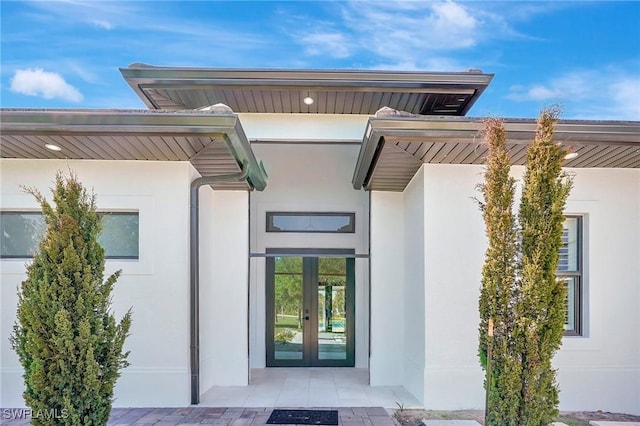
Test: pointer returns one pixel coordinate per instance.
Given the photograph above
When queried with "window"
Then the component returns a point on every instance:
(21, 233)
(311, 222)
(570, 271)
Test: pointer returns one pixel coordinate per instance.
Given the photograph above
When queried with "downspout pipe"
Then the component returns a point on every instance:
(194, 235)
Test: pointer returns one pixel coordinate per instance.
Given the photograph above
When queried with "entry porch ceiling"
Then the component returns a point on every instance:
(393, 149)
(213, 142)
(283, 91)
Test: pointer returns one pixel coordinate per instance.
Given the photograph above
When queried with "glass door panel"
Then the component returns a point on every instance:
(332, 308)
(298, 287)
(288, 306)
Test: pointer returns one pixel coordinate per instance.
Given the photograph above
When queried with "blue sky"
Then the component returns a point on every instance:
(583, 55)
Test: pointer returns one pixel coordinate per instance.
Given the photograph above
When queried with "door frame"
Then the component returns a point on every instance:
(310, 347)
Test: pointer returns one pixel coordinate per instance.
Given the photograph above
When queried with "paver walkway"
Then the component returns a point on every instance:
(357, 416)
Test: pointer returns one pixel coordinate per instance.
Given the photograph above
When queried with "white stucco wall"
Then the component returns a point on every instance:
(304, 127)
(414, 285)
(600, 370)
(224, 245)
(156, 286)
(387, 289)
(454, 253)
(433, 235)
(307, 178)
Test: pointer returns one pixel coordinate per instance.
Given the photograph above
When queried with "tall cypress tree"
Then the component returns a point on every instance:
(520, 291)
(499, 279)
(541, 306)
(66, 337)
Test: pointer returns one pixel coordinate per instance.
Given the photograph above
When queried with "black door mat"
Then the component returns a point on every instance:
(303, 417)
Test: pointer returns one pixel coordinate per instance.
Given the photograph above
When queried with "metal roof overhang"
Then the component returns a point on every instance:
(214, 143)
(283, 91)
(393, 149)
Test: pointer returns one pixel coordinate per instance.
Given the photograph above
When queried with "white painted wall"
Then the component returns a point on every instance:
(156, 285)
(387, 289)
(304, 127)
(600, 370)
(454, 253)
(307, 177)
(224, 245)
(414, 285)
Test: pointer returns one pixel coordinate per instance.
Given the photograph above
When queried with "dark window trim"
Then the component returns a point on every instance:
(269, 227)
(579, 276)
(100, 212)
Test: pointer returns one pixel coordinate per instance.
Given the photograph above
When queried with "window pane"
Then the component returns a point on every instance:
(288, 304)
(568, 260)
(572, 290)
(119, 236)
(21, 233)
(332, 308)
(310, 222)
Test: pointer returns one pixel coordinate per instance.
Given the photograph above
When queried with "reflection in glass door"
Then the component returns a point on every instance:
(310, 310)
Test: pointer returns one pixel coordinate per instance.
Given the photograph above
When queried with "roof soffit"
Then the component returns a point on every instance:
(458, 140)
(283, 91)
(133, 135)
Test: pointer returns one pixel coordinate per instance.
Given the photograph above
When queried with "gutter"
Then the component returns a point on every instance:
(254, 174)
(194, 254)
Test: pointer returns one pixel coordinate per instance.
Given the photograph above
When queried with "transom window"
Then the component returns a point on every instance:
(21, 233)
(311, 222)
(570, 271)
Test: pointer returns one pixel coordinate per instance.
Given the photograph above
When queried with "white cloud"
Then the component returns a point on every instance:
(48, 85)
(333, 44)
(535, 93)
(626, 96)
(607, 93)
(102, 24)
(423, 35)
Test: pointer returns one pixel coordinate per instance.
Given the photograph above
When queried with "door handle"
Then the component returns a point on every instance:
(306, 318)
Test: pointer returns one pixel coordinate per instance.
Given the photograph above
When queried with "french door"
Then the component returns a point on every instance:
(310, 311)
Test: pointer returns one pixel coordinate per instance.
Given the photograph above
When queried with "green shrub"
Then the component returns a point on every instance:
(65, 336)
(284, 336)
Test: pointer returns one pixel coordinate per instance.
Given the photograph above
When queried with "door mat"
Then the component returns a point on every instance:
(303, 417)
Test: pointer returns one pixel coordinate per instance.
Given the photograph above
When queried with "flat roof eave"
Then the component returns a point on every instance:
(433, 139)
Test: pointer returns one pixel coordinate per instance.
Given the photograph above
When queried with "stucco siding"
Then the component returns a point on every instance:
(414, 285)
(155, 285)
(224, 247)
(386, 365)
(598, 370)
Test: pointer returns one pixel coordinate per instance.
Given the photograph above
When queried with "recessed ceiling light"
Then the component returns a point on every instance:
(52, 147)
(571, 156)
(308, 100)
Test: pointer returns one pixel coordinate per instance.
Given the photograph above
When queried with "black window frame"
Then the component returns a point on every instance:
(269, 227)
(103, 212)
(578, 277)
